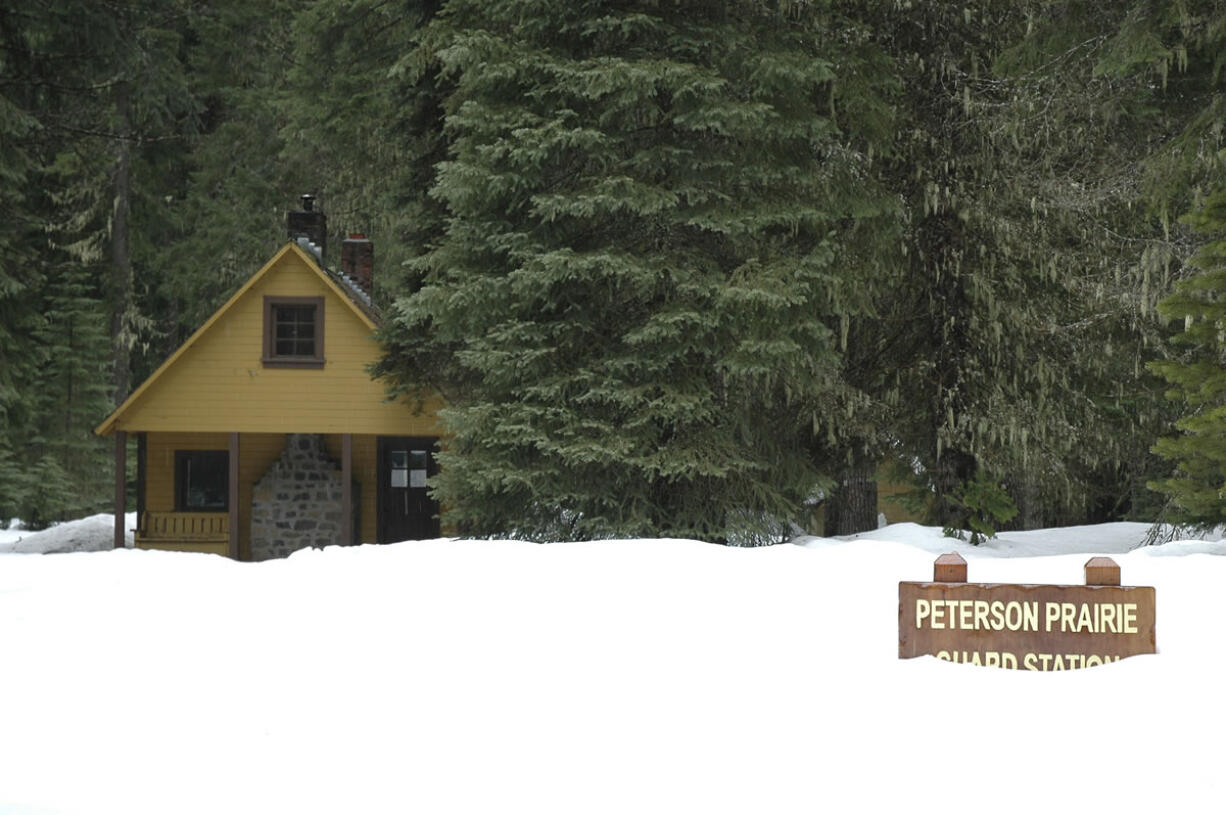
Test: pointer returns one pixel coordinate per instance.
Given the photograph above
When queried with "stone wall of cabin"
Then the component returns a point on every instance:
(299, 501)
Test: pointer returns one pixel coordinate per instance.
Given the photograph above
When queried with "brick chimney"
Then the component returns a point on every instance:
(358, 260)
(310, 223)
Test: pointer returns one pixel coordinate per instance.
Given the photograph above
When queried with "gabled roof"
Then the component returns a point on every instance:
(346, 291)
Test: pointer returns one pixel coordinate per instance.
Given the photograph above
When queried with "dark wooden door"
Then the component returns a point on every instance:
(406, 511)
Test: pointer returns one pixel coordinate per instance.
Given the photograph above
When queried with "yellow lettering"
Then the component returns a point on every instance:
(1108, 619)
(1051, 613)
(1093, 660)
(1013, 615)
(966, 613)
(1030, 663)
(1085, 622)
(1130, 618)
(922, 609)
(1067, 610)
(998, 615)
(943, 655)
(981, 614)
(1008, 660)
(1030, 620)
(936, 619)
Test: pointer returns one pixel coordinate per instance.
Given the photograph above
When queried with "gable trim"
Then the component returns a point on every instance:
(108, 424)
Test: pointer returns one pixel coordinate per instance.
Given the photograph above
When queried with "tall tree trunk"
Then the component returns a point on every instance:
(954, 468)
(121, 250)
(853, 506)
(1028, 503)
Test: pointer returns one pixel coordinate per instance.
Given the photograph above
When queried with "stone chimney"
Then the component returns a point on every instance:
(358, 260)
(311, 224)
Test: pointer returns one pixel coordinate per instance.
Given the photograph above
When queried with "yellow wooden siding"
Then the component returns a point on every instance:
(220, 384)
(160, 463)
(256, 453)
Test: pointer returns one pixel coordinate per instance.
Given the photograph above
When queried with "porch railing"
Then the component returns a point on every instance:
(184, 526)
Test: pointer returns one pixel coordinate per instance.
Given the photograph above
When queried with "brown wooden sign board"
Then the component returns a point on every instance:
(1026, 627)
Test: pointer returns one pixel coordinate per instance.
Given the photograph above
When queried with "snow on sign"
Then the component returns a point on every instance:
(1026, 627)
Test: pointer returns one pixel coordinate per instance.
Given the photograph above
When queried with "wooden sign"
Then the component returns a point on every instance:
(1026, 627)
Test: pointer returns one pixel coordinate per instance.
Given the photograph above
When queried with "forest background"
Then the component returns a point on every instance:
(680, 268)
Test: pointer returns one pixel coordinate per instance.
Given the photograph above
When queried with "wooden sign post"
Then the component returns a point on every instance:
(1026, 627)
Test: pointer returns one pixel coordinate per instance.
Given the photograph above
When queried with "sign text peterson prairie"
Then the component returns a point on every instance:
(1028, 627)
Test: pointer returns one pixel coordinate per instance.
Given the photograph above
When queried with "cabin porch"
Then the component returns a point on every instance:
(207, 532)
(255, 496)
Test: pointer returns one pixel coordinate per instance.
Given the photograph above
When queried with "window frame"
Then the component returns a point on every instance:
(182, 457)
(271, 358)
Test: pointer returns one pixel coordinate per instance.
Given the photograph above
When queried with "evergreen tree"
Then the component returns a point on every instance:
(1015, 329)
(1198, 380)
(298, 98)
(19, 316)
(678, 267)
(222, 214)
(363, 118)
(114, 86)
(631, 311)
(71, 468)
(82, 88)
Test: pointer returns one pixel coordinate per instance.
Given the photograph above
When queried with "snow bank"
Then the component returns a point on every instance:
(93, 534)
(616, 677)
(1101, 539)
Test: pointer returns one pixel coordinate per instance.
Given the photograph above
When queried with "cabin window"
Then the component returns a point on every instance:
(293, 332)
(408, 468)
(202, 480)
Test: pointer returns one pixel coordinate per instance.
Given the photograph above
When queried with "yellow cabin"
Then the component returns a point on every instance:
(264, 433)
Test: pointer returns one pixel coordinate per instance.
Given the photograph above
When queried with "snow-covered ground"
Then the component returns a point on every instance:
(93, 534)
(651, 676)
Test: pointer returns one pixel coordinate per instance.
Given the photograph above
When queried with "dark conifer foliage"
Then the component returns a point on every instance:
(106, 117)
(679, 267)
(631, 310)
(1030, 243)
(1198, 380)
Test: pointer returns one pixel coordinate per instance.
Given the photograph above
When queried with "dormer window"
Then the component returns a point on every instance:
(293, 332)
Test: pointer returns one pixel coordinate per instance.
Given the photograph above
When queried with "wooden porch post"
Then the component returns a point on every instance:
(232, 547)
(121, 486)
(142, 473)
(346, 489)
